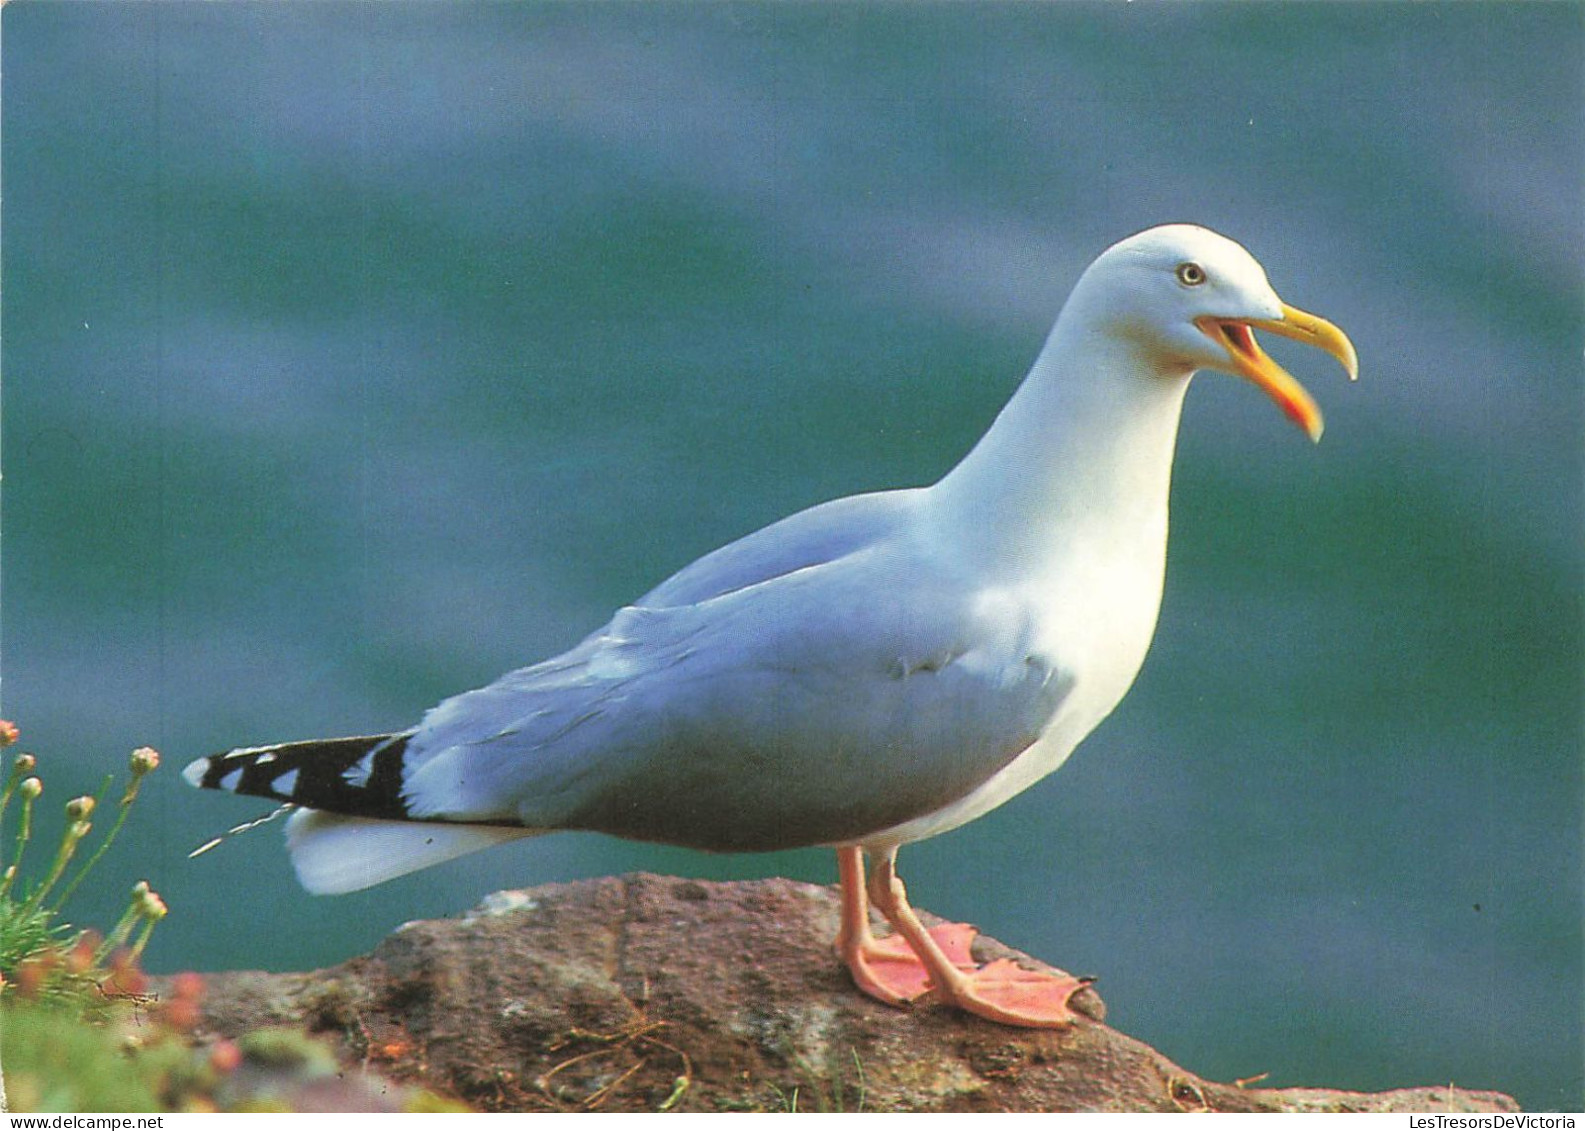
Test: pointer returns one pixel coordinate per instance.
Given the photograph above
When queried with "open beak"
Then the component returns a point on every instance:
(1247, 359)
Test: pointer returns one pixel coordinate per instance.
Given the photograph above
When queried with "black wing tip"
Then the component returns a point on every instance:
(321, 774)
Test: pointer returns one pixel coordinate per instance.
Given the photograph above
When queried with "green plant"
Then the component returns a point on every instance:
(82, 1029)
(40, 952)
(831, 1091)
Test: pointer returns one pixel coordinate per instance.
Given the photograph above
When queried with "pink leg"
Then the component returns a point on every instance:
(888, 969)
(1003, 991)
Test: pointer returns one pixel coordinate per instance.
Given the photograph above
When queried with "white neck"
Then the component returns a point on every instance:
(1081, 456)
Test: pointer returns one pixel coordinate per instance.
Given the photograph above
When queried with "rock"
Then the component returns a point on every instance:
(643, 993)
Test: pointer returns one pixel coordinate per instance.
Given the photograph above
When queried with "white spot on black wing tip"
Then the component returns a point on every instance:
(193, 773)
(357, 774)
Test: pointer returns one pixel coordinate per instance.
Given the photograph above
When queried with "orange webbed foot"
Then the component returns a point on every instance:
(1006, 992)
(889, 970)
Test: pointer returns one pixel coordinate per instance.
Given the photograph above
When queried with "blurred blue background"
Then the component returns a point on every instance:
(357, 353)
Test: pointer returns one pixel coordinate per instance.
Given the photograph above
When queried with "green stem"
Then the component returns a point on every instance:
(5, 795)
(119, 934)
(121, 819)
(143, 937)
(74, 833)
(22, 842)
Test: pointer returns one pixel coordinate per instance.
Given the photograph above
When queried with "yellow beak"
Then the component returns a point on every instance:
(1247, 359)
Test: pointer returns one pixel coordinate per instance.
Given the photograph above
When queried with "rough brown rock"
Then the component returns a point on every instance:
(645, 992)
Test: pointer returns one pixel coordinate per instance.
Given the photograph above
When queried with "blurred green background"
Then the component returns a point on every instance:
(356, 353)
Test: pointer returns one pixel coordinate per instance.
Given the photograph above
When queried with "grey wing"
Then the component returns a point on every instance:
(538, 706)
(816, 536)
(814, 708)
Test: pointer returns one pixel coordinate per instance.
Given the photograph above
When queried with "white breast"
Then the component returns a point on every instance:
(1096, 615)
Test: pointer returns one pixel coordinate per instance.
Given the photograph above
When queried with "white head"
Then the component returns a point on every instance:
(1190, 298)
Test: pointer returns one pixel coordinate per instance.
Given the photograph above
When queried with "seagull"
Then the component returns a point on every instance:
(861, 675)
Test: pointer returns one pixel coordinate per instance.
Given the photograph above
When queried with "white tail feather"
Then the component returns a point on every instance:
(335, 854)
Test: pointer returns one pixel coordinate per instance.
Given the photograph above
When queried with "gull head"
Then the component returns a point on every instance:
(1192, 299)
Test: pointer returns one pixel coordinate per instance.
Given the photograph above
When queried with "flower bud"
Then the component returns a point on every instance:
(143, 760)
(224, 1057)
(8, 732)
(25, 763)
(30, 789)
(79, 808)
(80, 958)
(31, 976)
(125, 976)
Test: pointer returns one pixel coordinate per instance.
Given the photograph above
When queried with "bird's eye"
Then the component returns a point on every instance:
(1191, 274)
